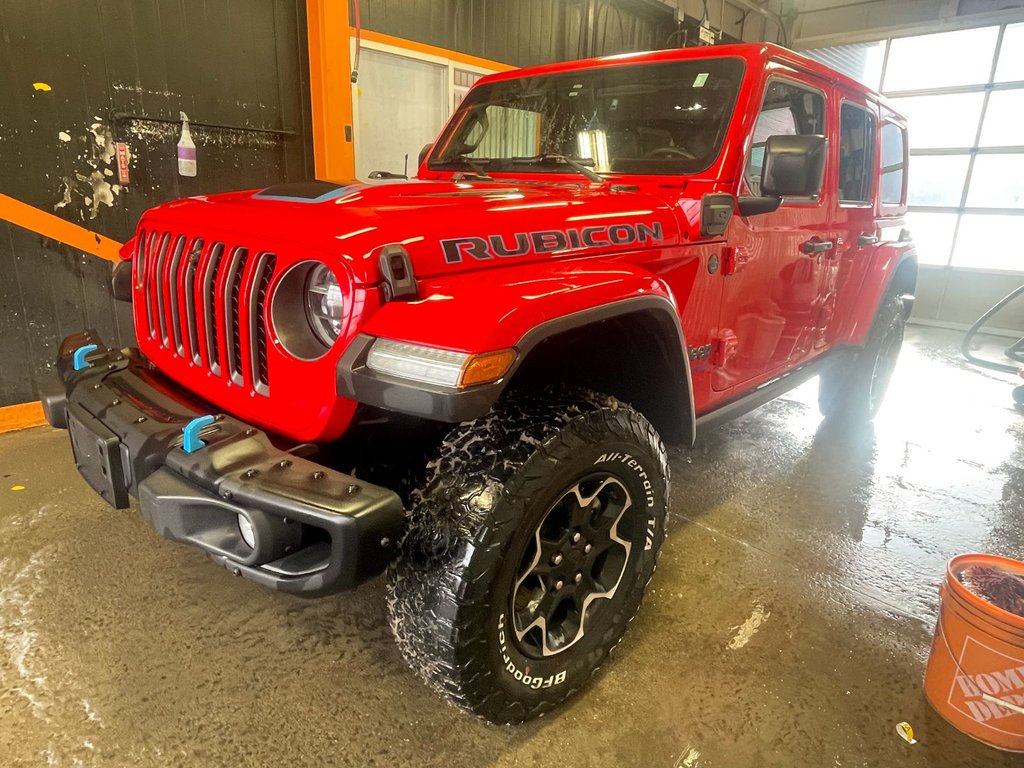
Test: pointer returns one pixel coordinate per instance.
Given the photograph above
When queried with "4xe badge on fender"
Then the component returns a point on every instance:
(549, 241)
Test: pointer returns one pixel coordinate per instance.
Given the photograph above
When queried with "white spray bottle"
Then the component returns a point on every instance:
(186, 150)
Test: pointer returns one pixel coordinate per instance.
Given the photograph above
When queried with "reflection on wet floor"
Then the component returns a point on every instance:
(788, 622)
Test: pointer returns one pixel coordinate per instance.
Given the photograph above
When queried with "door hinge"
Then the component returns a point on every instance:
(734, 258)
(723, 348)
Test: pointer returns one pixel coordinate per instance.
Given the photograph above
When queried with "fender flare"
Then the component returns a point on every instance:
(650, 297)
(872, 291)
(663, 311)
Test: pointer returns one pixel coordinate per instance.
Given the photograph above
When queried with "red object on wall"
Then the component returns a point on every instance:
(122, 162)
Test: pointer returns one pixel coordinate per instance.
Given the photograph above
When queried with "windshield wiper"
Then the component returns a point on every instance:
(549, 157)
(477, 165)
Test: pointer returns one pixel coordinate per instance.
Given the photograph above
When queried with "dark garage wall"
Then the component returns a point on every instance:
(121, 71)
(526, 32)
(49, 290)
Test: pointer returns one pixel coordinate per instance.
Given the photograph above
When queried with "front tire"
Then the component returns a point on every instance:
(853, 387)
(528, 550)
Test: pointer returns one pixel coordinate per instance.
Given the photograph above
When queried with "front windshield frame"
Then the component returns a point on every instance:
(458, 149)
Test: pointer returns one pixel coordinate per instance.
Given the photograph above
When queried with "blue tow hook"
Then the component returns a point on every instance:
(192, 443)
(79, 360)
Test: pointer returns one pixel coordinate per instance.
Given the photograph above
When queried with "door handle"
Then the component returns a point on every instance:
(811, 247)
(866, 238)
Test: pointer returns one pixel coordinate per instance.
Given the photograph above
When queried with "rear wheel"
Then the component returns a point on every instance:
(853, 387)
(528, 551)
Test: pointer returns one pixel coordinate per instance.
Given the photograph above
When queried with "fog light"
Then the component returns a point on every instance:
(248, 534)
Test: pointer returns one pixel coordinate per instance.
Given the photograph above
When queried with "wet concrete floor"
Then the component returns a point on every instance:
(788, 623)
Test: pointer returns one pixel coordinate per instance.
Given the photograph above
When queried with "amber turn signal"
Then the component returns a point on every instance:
(485, 368)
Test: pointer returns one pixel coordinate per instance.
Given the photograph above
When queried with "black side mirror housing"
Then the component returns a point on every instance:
(748, 205)
(423, 154)
(794, 166)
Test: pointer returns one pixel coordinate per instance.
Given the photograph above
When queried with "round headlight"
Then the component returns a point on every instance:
(324, 306)
(307, 309)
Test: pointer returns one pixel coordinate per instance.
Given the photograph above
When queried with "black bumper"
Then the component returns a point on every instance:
(315, 530)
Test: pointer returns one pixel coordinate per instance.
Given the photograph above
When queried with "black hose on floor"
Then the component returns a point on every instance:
(1015, 351)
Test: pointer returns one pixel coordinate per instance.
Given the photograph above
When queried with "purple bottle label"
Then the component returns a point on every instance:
(186, 153)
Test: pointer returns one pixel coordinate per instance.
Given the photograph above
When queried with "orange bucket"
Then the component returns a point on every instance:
(975, 674)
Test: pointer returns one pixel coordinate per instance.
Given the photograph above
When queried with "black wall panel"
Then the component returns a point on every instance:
(526, 32)
(121, 71)
(49, 290)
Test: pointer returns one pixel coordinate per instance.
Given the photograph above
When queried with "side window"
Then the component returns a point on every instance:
(856, 153)
(894, 165)
(788, 109)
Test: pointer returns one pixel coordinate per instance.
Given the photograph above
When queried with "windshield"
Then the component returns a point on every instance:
(663, 118)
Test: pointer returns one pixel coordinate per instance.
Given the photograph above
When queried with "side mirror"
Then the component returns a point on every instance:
(755, 206)
(794, 166)
(423, 154)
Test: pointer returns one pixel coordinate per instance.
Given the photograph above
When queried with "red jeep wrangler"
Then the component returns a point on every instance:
(466, 378)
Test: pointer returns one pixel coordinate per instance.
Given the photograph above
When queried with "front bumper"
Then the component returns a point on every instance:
(315, 530)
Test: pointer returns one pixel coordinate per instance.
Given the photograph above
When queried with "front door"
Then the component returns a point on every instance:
(773, 293)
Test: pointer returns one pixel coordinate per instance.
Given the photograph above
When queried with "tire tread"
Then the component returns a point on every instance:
(437, 606)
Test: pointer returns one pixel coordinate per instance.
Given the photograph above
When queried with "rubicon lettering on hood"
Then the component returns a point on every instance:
(457, 249)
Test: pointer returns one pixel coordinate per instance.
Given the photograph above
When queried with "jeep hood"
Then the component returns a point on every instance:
(446, 227)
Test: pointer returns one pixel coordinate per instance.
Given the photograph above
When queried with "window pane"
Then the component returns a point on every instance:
(423, 89)
(788, 110)
(942, 121)
(997, 182)
(963, 57)
(893, 168)
(861, 61)
(659, 118)
(774, 122)
(932, 233)
(937, 179)
(1002, 119)
(1011, 55)
(510, 133)
(982, 242)
(856, 153)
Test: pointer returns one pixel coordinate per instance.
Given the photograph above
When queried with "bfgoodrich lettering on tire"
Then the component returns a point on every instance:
(528, 550)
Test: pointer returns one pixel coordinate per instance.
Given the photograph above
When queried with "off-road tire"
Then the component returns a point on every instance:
(472, 524)
(853, 386)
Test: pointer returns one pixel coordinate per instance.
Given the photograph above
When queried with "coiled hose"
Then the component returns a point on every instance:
(1015, 351)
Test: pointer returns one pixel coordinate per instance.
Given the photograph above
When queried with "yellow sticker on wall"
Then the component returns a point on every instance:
(17, 487)
(41, 87)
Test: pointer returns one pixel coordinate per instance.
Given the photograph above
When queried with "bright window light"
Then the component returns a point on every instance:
(594, 145)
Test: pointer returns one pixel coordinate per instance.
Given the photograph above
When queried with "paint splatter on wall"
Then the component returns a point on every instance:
(163, 57)
(87, 188)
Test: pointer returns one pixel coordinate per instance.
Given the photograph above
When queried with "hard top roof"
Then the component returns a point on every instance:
(755, 54)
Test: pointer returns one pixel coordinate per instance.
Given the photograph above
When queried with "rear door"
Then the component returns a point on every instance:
(854, 221)
(775, 285)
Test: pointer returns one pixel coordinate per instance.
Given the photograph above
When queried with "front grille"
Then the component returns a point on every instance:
(257, 310)
(205, 301)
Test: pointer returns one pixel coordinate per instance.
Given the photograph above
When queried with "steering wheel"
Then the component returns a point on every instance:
(668, 152)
